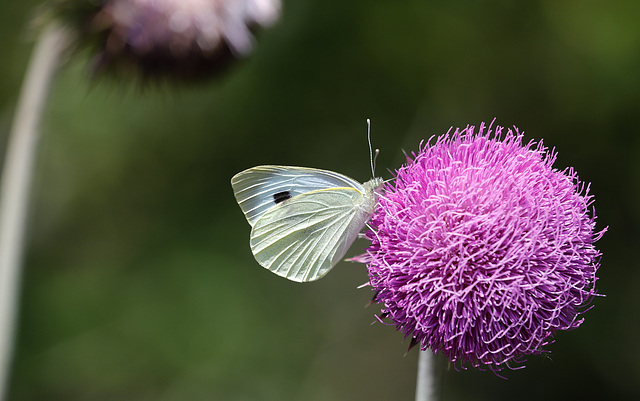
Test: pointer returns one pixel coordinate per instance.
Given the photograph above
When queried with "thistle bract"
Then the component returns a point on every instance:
(481, 250)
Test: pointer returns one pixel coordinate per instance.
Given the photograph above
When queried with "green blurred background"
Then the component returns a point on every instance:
(139, 283)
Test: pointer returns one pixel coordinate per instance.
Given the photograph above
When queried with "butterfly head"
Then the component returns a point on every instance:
(372, 187)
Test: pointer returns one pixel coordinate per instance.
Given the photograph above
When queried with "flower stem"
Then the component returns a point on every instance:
(16, 181)
(425, 386)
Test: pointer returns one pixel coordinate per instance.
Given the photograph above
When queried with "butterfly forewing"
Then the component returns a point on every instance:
(303, 238)
(258, 189)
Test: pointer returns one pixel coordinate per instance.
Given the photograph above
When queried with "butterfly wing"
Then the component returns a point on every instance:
(304, 237)
(258, 189)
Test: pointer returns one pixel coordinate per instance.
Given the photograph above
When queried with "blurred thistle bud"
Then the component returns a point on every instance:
(174, 39)
(482, 250)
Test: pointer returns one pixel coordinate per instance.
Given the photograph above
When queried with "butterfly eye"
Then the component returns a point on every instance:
(281, 196)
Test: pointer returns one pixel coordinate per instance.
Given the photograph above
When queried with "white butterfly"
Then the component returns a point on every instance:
(303, 220)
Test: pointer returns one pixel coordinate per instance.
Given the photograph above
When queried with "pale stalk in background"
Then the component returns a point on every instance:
(425, 385)
(16, 182)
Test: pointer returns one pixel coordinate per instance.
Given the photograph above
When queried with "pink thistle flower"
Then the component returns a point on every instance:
(481, 250)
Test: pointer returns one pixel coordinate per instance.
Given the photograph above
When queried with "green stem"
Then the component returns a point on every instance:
(16, 182)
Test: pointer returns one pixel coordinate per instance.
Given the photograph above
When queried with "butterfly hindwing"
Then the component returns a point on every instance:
(304, 237)
(258, 189)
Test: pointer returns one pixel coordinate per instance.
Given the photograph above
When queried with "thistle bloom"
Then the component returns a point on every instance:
(481, 250)
(179, 39)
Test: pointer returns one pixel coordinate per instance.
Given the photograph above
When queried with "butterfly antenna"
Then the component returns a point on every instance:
(375, 157)
(371, 158)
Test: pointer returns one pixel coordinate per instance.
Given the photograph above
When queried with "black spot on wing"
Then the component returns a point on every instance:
(281, 196)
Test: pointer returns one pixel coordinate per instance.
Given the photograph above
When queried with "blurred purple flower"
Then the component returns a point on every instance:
(481, 250)
(178, 39)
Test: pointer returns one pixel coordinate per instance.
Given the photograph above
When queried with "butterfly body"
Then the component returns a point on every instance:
(303, 220)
